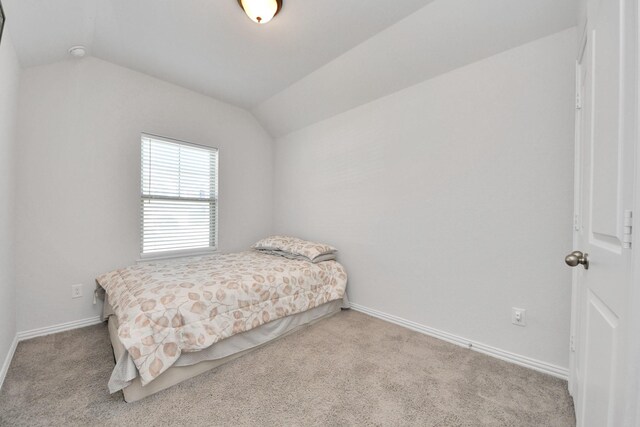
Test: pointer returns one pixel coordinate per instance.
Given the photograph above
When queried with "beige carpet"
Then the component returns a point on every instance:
(348, 370)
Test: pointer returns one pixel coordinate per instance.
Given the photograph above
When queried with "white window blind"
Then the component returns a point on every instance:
(179, 196)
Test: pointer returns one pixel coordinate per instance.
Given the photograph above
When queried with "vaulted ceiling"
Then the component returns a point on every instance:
(438, 38)
(317, 58)
(209, 46)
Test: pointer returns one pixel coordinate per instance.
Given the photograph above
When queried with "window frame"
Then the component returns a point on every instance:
(179, 253)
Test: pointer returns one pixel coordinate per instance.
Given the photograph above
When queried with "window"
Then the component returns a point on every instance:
(179, 197)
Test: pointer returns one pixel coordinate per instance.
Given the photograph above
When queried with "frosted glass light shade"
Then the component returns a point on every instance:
(261, 11)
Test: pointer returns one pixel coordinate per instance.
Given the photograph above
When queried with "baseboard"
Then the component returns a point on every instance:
(507, 356)
(7, 360)
(48, 330)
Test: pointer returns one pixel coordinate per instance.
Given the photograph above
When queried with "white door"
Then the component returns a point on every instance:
(606, 121)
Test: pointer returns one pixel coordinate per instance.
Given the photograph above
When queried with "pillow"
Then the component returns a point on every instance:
(320, 258)
(314, 252)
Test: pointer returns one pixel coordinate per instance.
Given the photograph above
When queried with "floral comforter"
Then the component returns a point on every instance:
(166, 308)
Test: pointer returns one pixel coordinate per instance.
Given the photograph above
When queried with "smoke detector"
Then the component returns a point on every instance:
(78, 51)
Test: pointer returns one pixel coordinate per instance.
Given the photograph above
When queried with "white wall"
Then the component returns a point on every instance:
(79, 172)
(9, 82)
(450, 201)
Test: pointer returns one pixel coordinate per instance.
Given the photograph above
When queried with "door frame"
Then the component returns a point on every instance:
(633, 389)
(575, 223)
(632, 407)
(577, 192)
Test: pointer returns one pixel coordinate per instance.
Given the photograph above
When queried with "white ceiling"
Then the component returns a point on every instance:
(443, 36)
(209, 46)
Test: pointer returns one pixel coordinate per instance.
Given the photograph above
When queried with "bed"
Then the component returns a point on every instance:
(172, 320)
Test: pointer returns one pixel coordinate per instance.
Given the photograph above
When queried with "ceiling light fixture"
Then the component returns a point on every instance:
(261, 11)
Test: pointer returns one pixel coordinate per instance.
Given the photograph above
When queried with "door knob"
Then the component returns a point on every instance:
(576, 258)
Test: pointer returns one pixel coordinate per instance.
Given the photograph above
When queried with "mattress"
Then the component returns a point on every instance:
(125, 376)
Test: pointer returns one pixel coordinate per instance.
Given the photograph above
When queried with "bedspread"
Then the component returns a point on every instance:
(166, 308)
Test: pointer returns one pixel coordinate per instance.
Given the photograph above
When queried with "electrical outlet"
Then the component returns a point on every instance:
(519, 316)
(76, 291)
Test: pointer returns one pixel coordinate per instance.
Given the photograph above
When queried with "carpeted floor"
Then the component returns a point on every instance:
(351, 369)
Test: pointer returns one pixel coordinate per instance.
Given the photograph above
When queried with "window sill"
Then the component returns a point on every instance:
(161, 256)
